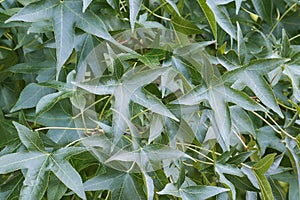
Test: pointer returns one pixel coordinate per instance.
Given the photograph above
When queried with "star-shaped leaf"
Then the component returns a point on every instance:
(218, 95)
(251, 75)
(65, 14)
(128, 88)
(39, 163)
(123, 185)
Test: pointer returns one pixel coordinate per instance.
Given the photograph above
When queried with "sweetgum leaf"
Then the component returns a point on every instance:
(65, 15)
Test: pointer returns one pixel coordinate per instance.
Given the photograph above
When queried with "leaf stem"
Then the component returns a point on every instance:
(285, 106)
(156, 15)
(278, 21)
(240, 139)
(104, 107)
(140, 113)
(281, 129)
(266, 121)
(63, 128)
(98, 101)
(198, 152)
(295, 37)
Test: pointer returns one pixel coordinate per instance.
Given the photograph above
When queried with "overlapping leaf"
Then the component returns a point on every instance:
(192, 192)
(217, 95)
(124, 90)
(65, 15)
(39, 163)
(122, 185)
(251, 75)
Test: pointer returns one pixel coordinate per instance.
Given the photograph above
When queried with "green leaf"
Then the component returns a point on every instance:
(181, 177)
(241, 48)
(149, 185)
(148, 100)
(217, 96)
(286, 46)
(171, 3)
(260, 168)
(170, 189)
(65, 15)
(267, 138)
(192, 192)
(7, 131)
(200, 192)
(184, 26)
(294, 159)
(124, 90)
(11, 188)
(264, 9)
(293, 72)
(56, 189)
(149, 158)
(35, 183)
(242, 183)
(64, 171)
(209, 16)
(30, 95)
(122, 185)
(48, 101)
(15, 161)
(134, 8)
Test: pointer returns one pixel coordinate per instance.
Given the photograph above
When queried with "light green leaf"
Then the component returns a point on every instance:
(264, 164)
(14, 161)
(267, 138)
(217, 94)
(148, 158)
(149, 185)
(65, 15)
(30, 139)
(251, 75)
(200, 192)
(86, 3)
(65, 172)
(222, 18)
(241, 120)
(35, 183)
(170, 189)
(238, 4)
(134, 8)
(30, 95)
(107, 181)
(241, 46)
(192, 192)
(124, 90)
(48, 101)
(148, 100)
(173, 6)
(260, 168)
(86, 47)
(156, 127)
(209, 16)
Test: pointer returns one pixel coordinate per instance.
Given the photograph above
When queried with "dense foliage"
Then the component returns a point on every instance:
(153, 99)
